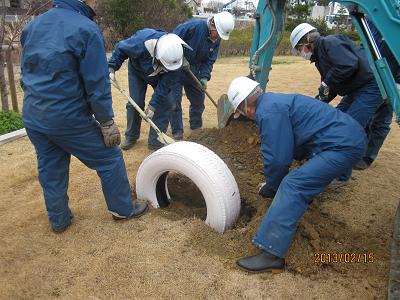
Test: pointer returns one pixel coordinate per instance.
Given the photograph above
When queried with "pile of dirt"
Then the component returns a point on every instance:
(319, 232)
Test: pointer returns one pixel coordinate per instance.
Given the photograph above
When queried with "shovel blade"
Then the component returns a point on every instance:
(224, 111)
(165, 139)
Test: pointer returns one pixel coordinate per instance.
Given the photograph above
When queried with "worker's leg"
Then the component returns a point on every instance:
(176, 113)
(137, 91)
(160, 118)
(196, 99)
(53, 167)
(378, 131)
(294, 195)
(88, 146)
(362, 103)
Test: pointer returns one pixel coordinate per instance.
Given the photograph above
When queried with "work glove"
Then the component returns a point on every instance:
(204, 82)
(111, 74)
(265, 191)
(110, 132)
(150, 111)
(323, 92)
(185, 64)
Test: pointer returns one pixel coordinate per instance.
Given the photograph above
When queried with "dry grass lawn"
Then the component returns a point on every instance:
(154, 257)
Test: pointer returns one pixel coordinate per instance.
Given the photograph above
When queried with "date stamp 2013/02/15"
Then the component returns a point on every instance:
(345, 257)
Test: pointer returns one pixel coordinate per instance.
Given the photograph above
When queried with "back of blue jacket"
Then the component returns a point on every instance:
(294, 126)
(141, 60)
(205, 52)
(343, 66)
(64, 70)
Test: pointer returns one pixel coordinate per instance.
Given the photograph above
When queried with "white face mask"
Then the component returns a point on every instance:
(305, 55)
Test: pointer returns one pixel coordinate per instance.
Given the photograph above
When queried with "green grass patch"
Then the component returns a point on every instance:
(10, 121)
(282, 62)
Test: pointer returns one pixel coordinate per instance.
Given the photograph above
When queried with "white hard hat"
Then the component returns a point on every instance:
(169, 51)
(299, 31)
(224, 23)
(239, 89)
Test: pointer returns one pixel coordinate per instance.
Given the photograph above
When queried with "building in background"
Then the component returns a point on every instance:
(335, 15)
(14, 10)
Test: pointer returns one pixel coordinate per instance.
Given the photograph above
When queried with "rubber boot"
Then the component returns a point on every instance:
(263, 262)
(140, 210)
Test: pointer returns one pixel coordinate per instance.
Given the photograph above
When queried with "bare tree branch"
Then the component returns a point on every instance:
(15, 29)
(3, 86)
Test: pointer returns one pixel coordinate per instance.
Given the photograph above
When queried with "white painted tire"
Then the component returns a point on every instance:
(207, 171)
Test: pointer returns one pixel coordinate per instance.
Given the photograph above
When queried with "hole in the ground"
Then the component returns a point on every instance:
(186, 198)
(247, 212)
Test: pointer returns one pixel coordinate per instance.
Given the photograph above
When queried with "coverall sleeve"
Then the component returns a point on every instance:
(94, 73)
(206, 68)
(277, 147)
(344, 61)
(129, 48)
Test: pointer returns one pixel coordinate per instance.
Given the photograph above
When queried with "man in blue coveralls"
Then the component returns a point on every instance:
(68, 108)
(345, 70)
(293, 127)
(154, 58)
(204, 36)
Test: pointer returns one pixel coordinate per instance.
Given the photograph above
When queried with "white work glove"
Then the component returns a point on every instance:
(398, 86)
(110, 132)
(111, 74)
(150, 111)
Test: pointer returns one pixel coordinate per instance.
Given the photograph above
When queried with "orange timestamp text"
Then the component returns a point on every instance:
(345, 257)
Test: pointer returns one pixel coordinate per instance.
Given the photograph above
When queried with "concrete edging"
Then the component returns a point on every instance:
(12, 136)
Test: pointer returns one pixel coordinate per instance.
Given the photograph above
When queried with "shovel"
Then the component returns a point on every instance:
(224, 107)
(224, 111)
(200, 86)
(162, 137)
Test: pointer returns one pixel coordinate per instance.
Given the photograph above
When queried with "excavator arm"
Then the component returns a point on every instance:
(384, 14)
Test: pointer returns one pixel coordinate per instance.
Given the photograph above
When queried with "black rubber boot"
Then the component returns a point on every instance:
(361, 165)
(62, 229)
(140, 210)
(263, 262)
(126, 145)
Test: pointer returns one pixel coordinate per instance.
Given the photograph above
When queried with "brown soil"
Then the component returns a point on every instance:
(171, 253)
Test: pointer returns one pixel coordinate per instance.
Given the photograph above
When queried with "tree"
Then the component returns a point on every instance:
(3, 86)
(342, 16)
(10, 34)
(123, 18)
(215, 5)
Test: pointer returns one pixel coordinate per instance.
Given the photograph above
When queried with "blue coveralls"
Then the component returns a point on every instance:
(345, 69)
(298, 127)
(140, 70)
(65, 82)
(380, 126)
(205, 52)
